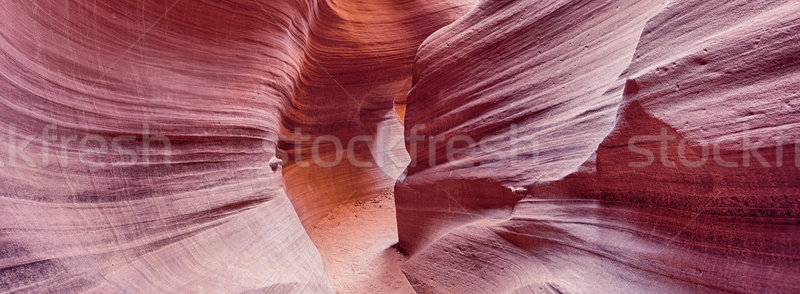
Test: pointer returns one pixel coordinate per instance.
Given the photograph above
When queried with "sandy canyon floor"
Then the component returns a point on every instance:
(358, 245)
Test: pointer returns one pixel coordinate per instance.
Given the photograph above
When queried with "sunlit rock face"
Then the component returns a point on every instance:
(342, 136)
(639, 146)
(534, 146)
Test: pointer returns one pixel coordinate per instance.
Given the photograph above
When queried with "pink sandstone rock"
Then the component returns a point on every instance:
(575, 83)
(223, 81)
(169, 146)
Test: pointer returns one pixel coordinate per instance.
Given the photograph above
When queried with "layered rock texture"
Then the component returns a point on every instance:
(137, 136)
(645, 146)
(533, 146)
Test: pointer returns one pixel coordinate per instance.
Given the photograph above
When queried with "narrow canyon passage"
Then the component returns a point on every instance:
(357, 242)
(254, 146)
(355, 87)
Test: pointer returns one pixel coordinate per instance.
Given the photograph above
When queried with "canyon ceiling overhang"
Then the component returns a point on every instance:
(601, 146)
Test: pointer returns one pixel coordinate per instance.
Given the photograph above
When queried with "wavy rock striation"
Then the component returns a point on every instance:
(552, 146)
(358, 64)
(631, 146)
(139, 137)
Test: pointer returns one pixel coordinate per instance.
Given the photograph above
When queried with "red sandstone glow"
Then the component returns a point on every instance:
(399, 146)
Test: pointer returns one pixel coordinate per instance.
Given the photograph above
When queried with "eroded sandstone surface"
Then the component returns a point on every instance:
(532, 146)
(654, 149)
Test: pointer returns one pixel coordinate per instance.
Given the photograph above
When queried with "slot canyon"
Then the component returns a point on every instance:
(400, 146)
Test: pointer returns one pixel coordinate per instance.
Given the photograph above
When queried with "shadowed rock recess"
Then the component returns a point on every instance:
(400, 146)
